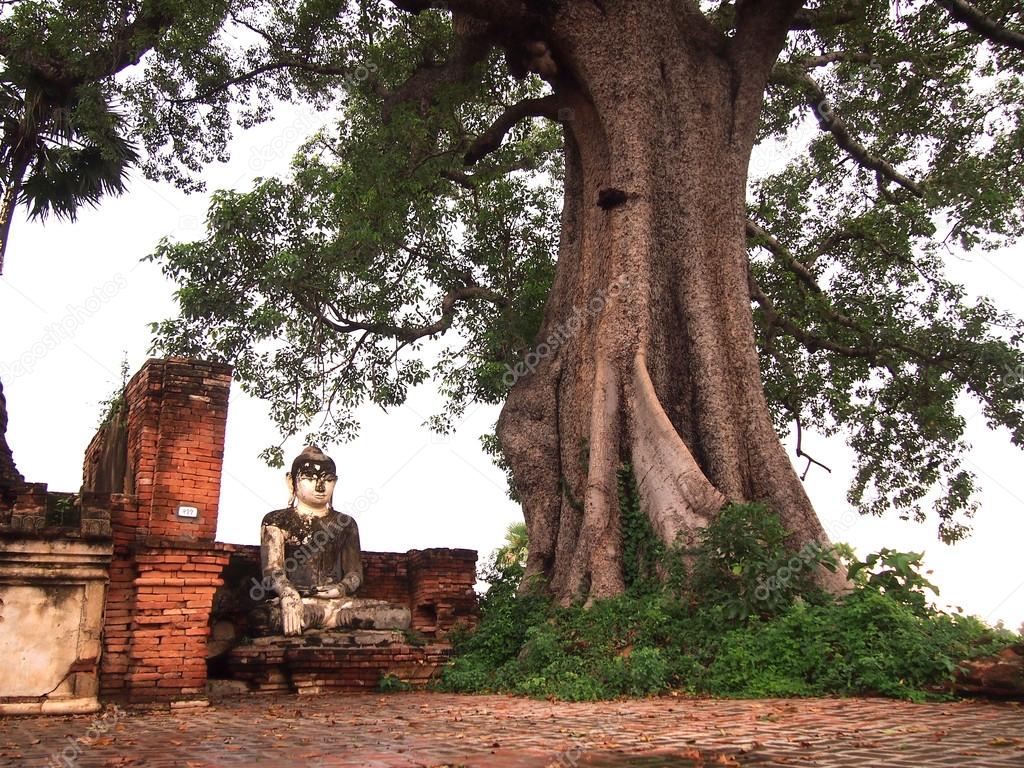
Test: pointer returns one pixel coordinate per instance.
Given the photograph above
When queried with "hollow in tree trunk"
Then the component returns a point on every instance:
(647, 351)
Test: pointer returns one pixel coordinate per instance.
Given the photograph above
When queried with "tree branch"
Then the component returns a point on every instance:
(978, 22)
(471, 47)
(490, 140)
(300, 64)
(812, 341)
(875, 352)
(810, 18)
(761, 29)
(764, 21)
(800, 448)
(504, 14)
(829, 121)
(412, 333)
(783, 254)
(832, 57)
(130, 43)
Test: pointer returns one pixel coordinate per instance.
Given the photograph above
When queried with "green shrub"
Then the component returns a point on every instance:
(390, 683)
(897, 575)
(743, 563)
(742, 620)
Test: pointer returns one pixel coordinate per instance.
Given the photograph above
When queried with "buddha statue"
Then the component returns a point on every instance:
(309, 554)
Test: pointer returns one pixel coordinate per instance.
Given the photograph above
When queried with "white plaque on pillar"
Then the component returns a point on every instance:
(184, 511)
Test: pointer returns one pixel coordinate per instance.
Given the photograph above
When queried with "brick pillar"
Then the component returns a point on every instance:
(165, 567)
(177, 410)
(174, 592)
(120, 608)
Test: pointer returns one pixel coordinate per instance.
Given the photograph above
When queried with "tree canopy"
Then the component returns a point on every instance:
(65, 142)
(416, 235)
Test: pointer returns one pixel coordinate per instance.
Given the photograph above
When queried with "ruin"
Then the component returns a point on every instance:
(122, 593)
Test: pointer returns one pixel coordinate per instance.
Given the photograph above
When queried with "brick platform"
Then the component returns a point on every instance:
(333, 661)
(422, 729)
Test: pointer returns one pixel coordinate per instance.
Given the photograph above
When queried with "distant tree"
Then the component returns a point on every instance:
(693, 311)
(515, 548)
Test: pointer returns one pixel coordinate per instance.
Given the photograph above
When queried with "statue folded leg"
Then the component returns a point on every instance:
(331, 613)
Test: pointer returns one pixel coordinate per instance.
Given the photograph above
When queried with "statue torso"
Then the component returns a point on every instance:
(313, 546)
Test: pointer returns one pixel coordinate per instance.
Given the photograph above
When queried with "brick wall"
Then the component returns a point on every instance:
(441, 588)
(174, 589)
(165, 569)
(167, 574)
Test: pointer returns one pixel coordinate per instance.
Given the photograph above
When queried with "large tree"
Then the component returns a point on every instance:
(692, 312)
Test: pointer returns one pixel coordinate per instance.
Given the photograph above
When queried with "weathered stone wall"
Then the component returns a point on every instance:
(53, 578)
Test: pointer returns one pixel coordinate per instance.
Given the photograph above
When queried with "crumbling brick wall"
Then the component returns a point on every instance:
(165, 568)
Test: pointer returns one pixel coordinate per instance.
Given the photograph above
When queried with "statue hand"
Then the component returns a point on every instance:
(291, 613)
(332, 590)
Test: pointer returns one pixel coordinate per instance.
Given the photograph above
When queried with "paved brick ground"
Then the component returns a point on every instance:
(424, 729)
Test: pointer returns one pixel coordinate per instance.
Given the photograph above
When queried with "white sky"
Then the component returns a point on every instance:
(410, 488)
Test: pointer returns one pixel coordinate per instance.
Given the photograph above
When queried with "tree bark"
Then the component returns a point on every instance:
(22, 156)
(647, 351)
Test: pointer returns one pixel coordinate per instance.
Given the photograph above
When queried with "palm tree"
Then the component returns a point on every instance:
(515, 548)
(60, 149)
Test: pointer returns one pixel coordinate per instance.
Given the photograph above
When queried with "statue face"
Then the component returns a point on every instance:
(315, 489)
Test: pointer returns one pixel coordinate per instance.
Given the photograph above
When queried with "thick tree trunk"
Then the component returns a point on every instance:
(647, 351)
(10, 479)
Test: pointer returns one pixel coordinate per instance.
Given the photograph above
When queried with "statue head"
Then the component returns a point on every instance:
(312, 478)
